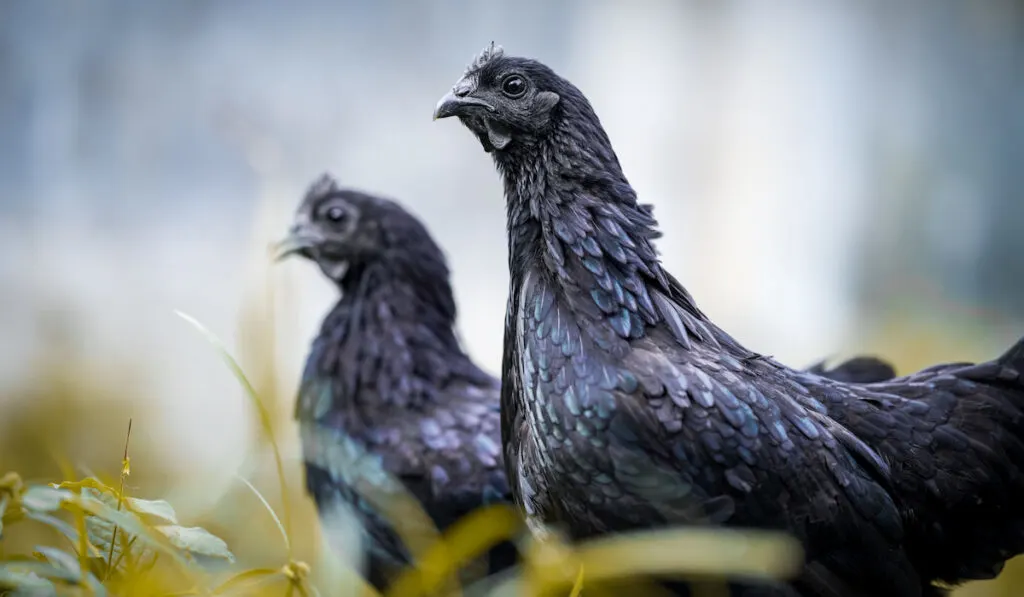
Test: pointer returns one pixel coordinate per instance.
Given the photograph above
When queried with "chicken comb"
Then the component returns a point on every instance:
(489, 53)
(322, 186)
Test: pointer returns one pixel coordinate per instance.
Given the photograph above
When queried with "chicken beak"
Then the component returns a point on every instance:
(455, 103)
(299, 239)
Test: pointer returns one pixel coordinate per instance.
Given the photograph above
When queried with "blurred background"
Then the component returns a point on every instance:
(831, 177)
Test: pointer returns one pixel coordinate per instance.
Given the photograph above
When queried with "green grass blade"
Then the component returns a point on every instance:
(273, 515)
(265, 420)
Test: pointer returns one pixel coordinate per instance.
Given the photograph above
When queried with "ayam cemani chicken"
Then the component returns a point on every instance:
(624, 407)
(387, 386)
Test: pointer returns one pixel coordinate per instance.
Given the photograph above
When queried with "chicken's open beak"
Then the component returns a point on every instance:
(299, 239)
(454, 104)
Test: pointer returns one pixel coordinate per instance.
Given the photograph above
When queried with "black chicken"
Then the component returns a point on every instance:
(624, 407)
(386, 385)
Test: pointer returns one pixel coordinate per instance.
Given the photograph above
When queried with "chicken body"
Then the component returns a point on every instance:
(625, 407)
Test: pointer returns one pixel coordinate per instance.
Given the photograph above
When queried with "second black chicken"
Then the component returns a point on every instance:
(387, 386)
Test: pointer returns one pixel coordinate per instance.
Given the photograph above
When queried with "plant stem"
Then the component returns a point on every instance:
(120, 499)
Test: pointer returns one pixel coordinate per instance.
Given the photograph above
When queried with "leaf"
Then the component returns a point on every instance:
(247, 580)
(108, 551)
(34, 591)
(28, 574)
(61, 559)
(99, 530)
(42, 498)
(25, 581)
(197, 540)
(470, 537)
(692, 552)
(152, 511)
(91, 483)
(62, 527)
(577, 587)
(128, 522)
(84, 546)
(273, 515)
(69, 563)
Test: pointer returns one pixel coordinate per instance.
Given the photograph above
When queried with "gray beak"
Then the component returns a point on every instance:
(456, 101)
(300, 238)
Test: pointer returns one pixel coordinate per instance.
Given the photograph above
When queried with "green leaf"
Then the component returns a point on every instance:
(28, 574)
(127, 521)
(25, 581)
(62, 560)
(100, 530)
(34, 591)
(198, 541)
(41, 498)
(89, 482)
(62, 527)
(693, 552)
(69, 563)
(266, 504)
(152, 511)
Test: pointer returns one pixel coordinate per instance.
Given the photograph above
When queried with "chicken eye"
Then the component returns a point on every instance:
(514, 86)
(336, 214)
